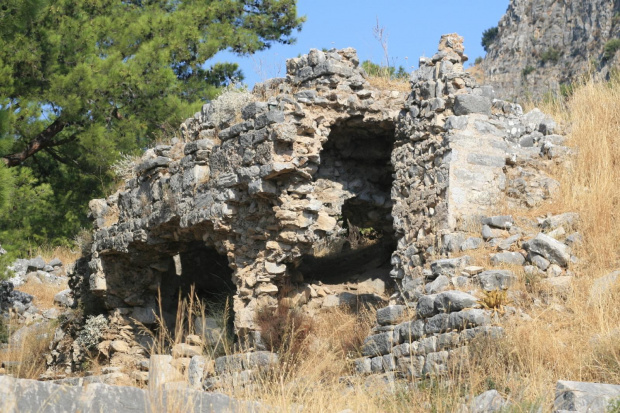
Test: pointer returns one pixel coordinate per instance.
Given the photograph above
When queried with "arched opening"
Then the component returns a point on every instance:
(354, 181)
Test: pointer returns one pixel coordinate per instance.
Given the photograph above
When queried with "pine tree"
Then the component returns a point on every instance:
(82, 81)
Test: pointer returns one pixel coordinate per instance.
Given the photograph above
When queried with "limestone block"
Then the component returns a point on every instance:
(584, 397)
(391, 314)
(551, 249)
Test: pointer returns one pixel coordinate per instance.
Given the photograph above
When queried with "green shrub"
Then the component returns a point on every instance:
(388, 72)
(488, 37)
(529, 69)
(550, 55)
(610, 49)
(478, 60)
(614, 406)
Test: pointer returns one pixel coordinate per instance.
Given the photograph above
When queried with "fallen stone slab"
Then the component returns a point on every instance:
(550, 248)
(21, 395)
(496, 279)
(583, 397)
(510, 258)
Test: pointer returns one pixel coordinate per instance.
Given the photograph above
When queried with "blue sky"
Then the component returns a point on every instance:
(413, 29)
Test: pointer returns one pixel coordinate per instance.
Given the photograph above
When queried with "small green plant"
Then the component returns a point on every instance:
(567, 90)
(92, 332)
(525, 72)
(614, 406)
(478, 60)
(4, 332)
(610, 49)
(488, 37)
(388, 72)
(550, 55)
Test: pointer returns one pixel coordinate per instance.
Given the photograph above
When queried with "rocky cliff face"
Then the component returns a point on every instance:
(544, 44)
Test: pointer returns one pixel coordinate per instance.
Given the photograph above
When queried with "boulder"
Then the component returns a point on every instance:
(583, 397)
(510, 258)
(391, 314)
(64, 298)
(496, 280)
(550, 248)
(466, 104)
(452, 301)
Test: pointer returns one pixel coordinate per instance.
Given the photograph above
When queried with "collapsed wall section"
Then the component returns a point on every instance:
(257, 180)
(261, 195)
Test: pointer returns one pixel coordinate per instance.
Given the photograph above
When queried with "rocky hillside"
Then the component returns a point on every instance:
(544, 45)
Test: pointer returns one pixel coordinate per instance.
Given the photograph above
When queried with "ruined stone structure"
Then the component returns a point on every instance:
(255, 198)
(543, 44)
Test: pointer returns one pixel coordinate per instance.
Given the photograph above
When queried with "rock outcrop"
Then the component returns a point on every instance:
(544, 44)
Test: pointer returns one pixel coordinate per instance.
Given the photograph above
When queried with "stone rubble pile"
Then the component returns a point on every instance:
(19, 305)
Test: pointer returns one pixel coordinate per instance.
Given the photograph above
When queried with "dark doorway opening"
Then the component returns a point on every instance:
(356, 165)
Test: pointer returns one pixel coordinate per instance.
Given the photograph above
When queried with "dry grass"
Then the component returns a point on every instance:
(43, 293)
(387, 83)
(590, 182)
(64, 254)
(25, 358)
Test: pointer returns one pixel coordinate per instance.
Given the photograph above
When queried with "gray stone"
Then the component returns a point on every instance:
(539, 261)
(449, 266)
(488, 402)
(362, 365)
(259, 360)
(551, 249)
(466, 104)
(441, 283)
(559, 285)
(510, 258)
(509, 242)
(436, 363)
(452, 241)
(554, 270)
(500, 221)
(604, 285)
(426, 306)
(195, 371)
(64, 298)
(378, 345)
(471, 243)
(410, 331)
(412, 367)
(161, 371)
(490, 233)
(35, 264)
(437, 324)
(496, 280)
(456, 122)
(159, 162)
(574, 239)
(468, 319)
(391, 315)
(55, 262)
(566, 220)
(451, 301)
(582, 397)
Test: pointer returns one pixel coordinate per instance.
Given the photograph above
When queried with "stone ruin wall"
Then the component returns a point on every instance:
(257, 189)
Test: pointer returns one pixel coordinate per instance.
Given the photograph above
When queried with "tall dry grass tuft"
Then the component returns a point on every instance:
(25, 355)
(43, 293)
(590, 183)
